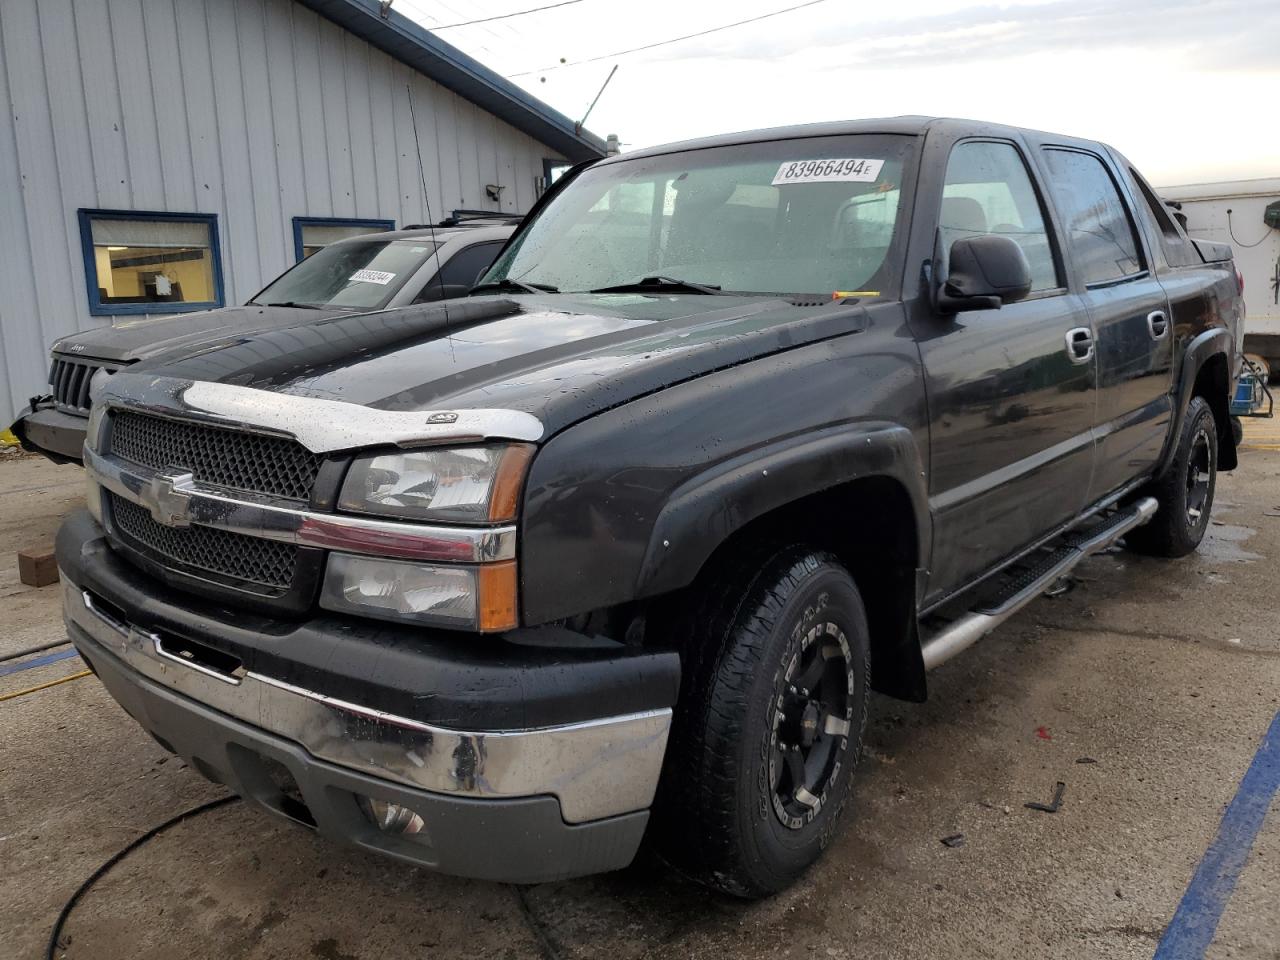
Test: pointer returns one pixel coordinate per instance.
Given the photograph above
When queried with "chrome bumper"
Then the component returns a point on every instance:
(597, 769)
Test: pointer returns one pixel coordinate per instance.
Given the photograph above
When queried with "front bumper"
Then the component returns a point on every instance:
(57, 435)
(521, 805)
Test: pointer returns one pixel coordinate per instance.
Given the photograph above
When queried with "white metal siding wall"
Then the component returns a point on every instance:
(255, 110)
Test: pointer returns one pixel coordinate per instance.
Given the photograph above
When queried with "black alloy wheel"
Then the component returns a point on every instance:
(1184, 491)
(768, 728)
(812, 717)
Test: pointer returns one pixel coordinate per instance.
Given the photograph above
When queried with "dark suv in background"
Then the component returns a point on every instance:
(375, 271)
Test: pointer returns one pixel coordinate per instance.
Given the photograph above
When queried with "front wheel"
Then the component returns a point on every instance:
(770, 723)
(1185, 492)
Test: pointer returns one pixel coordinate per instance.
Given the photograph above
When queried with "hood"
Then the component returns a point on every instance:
(141, 338)
(557, 357)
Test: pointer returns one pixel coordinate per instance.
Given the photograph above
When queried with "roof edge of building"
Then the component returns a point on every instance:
(415, 46)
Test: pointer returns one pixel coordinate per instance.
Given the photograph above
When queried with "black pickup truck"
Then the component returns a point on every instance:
(733, 432)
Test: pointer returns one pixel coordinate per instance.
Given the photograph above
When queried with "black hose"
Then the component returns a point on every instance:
(52, 950)
(30, 650)
(1241, 243)
(546, 945)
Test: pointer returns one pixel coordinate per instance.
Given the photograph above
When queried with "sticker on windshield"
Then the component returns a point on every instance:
(828, 171)
(372, 276)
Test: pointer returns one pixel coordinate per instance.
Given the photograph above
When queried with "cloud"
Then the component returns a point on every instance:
(1226, 34)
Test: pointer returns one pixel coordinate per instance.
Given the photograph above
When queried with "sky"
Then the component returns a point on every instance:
(1187, 89)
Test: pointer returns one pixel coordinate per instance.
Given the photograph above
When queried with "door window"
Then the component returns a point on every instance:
(988, 191)
(1099, 229)
(464, 268)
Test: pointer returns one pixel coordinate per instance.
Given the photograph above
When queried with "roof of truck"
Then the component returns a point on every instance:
(910, 125)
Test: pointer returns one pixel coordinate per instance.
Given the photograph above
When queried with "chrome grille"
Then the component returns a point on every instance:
(228, 458)
(251, 560)
(70, 377)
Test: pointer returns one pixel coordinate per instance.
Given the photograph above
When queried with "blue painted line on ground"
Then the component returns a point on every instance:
(1195, 922)
(10, 668)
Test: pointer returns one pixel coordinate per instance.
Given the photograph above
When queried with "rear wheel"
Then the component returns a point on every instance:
(770, 723)
(1185, 492)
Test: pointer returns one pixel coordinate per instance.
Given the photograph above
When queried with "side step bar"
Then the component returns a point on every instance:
(964, 632)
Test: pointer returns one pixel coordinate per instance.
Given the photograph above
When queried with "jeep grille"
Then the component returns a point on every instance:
(70, 377)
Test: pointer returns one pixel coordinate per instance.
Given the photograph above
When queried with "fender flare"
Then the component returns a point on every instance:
(1200, 349)
(704, 512)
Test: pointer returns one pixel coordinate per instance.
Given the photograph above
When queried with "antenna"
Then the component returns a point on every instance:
(426, 200)
(577, 127)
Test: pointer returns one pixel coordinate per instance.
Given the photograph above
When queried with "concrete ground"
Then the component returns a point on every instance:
(1146, 689)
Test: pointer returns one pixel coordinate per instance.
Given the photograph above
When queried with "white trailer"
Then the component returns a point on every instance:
(1232, 212)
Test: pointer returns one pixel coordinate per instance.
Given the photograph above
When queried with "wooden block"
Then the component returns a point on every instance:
(37, 566)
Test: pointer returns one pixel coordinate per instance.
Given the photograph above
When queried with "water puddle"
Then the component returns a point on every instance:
(1222, 544)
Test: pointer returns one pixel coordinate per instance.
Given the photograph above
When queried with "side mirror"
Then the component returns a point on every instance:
(985, 272)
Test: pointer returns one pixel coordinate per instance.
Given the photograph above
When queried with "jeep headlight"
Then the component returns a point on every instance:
(479, 484)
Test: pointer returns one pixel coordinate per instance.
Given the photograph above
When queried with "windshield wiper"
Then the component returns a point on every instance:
(661, 285)
(506, 283)
(290, 303)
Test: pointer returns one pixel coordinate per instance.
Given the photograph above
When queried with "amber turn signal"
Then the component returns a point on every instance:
(504, 501)
(497, 597)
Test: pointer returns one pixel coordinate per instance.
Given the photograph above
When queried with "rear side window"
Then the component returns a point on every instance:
(1177, 251)
(1099, 229)
(988, 191)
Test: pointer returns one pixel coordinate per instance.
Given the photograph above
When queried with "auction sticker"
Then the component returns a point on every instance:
(372, 276)
(828, 171)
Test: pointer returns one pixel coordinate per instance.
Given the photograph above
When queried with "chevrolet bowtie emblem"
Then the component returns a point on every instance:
(168, 497)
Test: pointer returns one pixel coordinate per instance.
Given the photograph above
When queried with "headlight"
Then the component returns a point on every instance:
(462, 597)
(459, 484)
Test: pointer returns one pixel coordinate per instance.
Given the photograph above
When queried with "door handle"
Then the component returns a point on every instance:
(1158, 324)
(1080, 344)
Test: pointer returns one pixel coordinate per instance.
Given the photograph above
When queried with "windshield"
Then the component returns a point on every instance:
(817, 215)
(360, 274)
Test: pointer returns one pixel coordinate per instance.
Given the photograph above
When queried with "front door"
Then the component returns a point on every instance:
(1011, 395)
(1131, 319)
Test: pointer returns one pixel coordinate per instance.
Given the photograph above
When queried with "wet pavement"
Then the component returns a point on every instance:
(1145, 689)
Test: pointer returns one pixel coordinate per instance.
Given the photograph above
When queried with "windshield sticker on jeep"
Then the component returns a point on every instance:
(372, 276)
(828, 171)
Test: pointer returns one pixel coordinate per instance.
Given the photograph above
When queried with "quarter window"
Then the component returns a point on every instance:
(1099, 229)
(139, 262)
(315, 233)
(988, 191)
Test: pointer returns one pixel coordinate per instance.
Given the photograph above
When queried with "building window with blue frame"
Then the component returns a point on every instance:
(315, 233)
(139, 261)
(552, 170)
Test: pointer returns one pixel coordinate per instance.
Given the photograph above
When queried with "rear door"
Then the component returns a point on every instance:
(1130, 315)
(1011, 409)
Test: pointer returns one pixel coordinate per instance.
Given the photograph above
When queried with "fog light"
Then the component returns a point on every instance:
(391, 817)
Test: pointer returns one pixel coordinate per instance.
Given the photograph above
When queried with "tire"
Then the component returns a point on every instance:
(1185, 492)
(1237, 431)
(778, 656)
